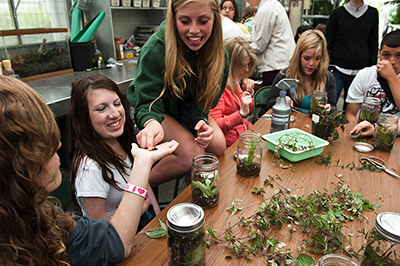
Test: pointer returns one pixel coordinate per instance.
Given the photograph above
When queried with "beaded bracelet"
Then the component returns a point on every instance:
(136, 190)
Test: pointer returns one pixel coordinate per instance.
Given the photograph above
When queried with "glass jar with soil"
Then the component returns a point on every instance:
(385, 132)
(370, 110)
(249, 153)
(186, 235)
(318, 100)
(383, 241)
(205, 180)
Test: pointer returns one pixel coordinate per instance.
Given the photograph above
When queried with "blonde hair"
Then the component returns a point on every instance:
(238, 49)
(310, 39)
(209, 73)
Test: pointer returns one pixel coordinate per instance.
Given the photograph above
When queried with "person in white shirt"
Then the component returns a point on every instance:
(230, 29)
(380, 81)
(271, 38)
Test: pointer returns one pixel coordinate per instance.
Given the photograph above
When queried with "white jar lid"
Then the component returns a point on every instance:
(388, 225)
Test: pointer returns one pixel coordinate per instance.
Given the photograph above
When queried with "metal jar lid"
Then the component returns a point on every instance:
(372, 101)
(388, 225)
(363, 147)
(185, 217)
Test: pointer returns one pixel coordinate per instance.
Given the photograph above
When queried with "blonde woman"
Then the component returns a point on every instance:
(237, 101)
(309, 65)
(181, 74)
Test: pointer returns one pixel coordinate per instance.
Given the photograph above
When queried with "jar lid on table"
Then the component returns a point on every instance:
(388, 225)
(185, 217)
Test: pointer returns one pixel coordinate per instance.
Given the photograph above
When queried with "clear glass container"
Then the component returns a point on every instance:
(383, 241)
(370, 110)
(317, 102)
(385, 132)
(205, 180)
(249, 153)
(335, 260)
(186, 235)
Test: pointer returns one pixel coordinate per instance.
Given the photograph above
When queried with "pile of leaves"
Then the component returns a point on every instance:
(320, 214)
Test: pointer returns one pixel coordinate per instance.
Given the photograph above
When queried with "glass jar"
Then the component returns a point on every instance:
(383, 241)
(205, 180)
(385, 132)
(370, 110)
(186, 235)
(317, 102)
(335, 260)
(249, 153)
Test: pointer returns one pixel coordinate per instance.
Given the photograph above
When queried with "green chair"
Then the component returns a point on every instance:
(260, 97)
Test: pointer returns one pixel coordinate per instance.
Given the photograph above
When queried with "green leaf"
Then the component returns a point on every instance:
(304, 260)
(156, 232)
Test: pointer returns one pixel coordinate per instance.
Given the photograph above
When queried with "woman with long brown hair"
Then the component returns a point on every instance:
(181, 74)
(33, 230)
(100, 135)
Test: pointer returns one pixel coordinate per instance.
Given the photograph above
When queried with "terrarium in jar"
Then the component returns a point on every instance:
(383, 241)
(205, 180)
(385, 132)
(335, 260)
(186, 235)
(318, 101)
(249, 153)
(370, 110)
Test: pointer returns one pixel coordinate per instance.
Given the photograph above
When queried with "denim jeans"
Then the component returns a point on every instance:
(343, 81)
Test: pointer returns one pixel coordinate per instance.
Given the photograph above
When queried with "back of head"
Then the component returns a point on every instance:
(300, 30)
(29, 137)
(248, 12)
(238, 49)
(391, 39)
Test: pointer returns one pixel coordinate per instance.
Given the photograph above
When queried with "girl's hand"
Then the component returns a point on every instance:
(327, 107)
(245, 103)
(365, 127)
(152, 134)
(205, 134)
(159, 151)
(248, 85)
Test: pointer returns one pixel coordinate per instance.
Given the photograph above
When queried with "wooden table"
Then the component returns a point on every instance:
(378, 187)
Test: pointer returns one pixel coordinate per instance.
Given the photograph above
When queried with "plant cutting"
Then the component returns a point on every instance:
(325, 124)
(205, 191)
(249, 154)
(295, 142)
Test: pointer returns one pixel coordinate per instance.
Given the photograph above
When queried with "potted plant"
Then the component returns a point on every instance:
(205, 191)
(326, 123)
(383, 138)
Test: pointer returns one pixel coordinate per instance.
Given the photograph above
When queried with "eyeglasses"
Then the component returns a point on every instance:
(225, 8)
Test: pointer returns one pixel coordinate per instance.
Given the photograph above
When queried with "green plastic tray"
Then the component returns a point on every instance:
(295, 156)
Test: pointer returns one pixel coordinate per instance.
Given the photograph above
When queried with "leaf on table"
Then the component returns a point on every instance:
(156, 232)
(304, 260)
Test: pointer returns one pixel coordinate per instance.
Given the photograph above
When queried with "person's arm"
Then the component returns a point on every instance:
(385, 69)
(352, 110)
(127, 216)
(264, 24)
(373, 38)
(96, 208)
(331, 28)
(330, 87)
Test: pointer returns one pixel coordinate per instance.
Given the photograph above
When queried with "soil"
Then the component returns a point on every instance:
(204, 202)
(381, 146)
(251, 170)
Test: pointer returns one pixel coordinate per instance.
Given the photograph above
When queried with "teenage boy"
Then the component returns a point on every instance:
(381, 81)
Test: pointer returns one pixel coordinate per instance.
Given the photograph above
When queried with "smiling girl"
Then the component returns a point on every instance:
(101, 133)
(181, 74)
(309, 65)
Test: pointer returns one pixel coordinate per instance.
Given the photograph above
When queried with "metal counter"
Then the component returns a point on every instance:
(56, 90)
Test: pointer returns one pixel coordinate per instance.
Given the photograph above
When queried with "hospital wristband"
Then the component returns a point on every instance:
(136, 190)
